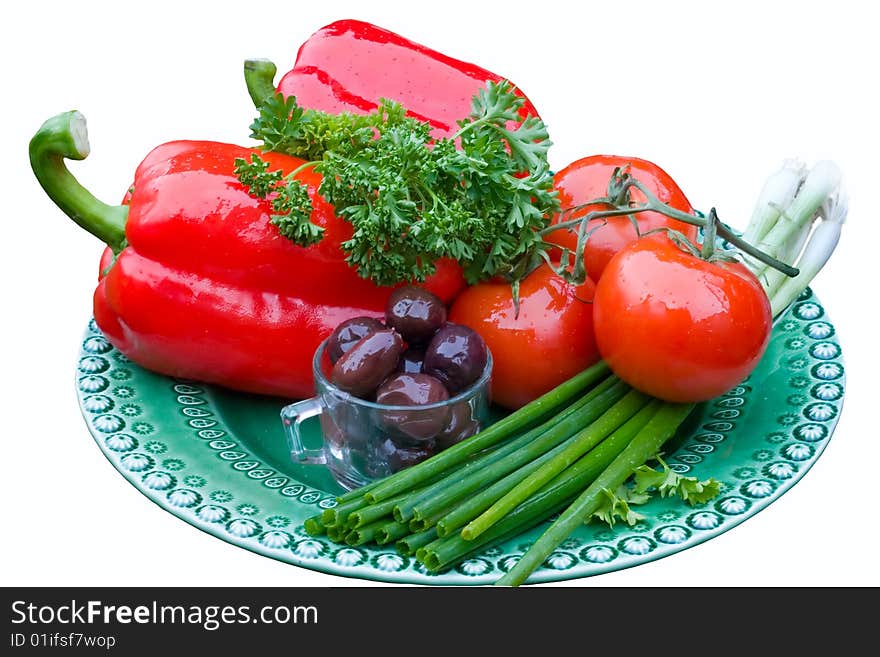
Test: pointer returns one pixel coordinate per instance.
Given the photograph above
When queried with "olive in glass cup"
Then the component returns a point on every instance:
(361, 448)
(348, 333)
(456, 355)
(411, 360)
(416, 390)
(415, 313)
(368, 362)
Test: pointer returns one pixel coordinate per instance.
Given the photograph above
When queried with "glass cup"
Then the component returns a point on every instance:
(364, 441)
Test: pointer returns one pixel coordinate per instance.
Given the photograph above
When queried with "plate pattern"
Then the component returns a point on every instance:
(168, 438)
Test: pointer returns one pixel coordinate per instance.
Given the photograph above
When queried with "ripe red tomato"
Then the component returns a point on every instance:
(676, 326)
(587, 179)
(549, 341)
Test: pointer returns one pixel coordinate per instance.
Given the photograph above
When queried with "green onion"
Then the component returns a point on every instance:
(357, 492)
(472, 506)
(391, 531)
(552, 497)
(338, 515)
(616, 416)
(821, 183)
(314, 526)
(818, 250)
(365, 534)
(646, 444)
(410, 545)
(777, 194)
(797, 219)
(336, 533)
(371, 512)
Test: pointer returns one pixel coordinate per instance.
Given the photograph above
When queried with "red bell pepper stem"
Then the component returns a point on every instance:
(259, 76)
(65, 136)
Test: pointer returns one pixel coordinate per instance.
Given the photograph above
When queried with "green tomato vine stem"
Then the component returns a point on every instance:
(623, 181)
(709, 233)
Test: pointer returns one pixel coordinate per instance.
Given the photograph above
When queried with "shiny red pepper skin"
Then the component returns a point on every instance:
(205, 287)
(208, 289)
(349, 65)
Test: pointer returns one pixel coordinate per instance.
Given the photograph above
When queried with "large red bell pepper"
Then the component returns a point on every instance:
(198, 283)
(349, 65)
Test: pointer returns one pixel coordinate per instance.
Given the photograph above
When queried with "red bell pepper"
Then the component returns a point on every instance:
(197, 283)
(349, 65)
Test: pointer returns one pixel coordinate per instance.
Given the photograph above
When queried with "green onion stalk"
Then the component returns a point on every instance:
(819, 202)
(777, 194)
(647, 442)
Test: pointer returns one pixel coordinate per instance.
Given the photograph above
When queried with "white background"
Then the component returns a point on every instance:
(717, 95)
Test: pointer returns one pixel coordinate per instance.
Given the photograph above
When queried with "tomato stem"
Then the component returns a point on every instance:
(709, 235)
(618, 188)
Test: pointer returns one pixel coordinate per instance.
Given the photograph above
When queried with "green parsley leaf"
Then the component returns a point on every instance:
(285, 127)
(293, 207)
(256, 176)
(480, 197)
(645, 481)
(289, 198)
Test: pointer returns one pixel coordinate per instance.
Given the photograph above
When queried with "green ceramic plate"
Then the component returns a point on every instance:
(218, 460)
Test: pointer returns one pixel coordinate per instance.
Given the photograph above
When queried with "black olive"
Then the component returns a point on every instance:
(411, 360)
(413, 390)
(462, 424)
(344, 425)
(415, 313)
(350, 331)
(393, 457)
(369, 362)
(456, 355)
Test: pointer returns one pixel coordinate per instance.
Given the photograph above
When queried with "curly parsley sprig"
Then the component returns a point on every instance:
(480, 197)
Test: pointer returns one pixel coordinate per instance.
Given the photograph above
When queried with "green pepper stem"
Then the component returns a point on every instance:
(65, 136)
(259, 76)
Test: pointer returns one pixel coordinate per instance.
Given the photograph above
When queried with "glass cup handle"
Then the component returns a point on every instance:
(291, 417)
